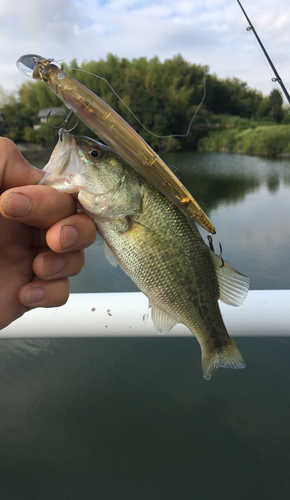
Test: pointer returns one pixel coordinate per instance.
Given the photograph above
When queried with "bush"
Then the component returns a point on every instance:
(264, 140)
(267, 141)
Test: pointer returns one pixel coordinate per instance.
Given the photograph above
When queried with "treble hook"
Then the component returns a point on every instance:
(220, 255)
(209, 237)
(61, 128)
(212, 249)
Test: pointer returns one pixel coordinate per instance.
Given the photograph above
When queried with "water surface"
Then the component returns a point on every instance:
(127, 419)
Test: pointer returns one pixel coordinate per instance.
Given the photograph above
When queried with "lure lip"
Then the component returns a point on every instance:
(26, 64)
(115, 132)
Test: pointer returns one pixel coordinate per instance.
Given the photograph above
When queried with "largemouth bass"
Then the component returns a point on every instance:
(154, 243)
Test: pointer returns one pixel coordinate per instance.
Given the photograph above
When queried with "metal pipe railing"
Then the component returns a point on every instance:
(264, 313)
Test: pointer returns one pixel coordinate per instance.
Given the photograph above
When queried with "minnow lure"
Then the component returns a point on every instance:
(115, 132)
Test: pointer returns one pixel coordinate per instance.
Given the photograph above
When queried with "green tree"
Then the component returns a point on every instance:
(163, 96)
(276, 102)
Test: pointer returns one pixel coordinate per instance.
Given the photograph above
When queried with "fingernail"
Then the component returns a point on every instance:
(53, 264)
(34, 295)
(16, 204)
(68, 237)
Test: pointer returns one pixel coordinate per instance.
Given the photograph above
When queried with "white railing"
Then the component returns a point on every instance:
(264, 313)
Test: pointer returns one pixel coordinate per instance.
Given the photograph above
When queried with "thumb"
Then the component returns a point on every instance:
(14, 169)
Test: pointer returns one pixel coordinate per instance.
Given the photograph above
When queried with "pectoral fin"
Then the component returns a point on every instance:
(162, 321)
(233, 286)
(110, 256)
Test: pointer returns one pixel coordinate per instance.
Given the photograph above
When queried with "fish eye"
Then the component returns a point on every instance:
(94, 153)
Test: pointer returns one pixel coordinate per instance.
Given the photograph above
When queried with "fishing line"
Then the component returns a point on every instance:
(137, 119)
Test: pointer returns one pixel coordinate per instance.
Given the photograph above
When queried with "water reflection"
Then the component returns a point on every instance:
(215, 178)
(273, 183)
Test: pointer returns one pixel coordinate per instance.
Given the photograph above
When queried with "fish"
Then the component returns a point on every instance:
(155, 243)
(110, 127)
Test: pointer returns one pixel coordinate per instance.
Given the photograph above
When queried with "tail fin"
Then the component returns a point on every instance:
(226, 357)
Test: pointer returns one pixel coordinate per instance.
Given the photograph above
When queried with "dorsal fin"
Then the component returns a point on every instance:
(233, 286)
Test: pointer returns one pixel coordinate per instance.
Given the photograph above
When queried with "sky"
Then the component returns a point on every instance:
(206, 32)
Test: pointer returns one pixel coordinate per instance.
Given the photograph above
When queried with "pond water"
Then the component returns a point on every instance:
(115, 419)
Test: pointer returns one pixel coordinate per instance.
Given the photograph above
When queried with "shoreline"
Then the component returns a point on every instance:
(37, 150)
(30, 147)
(239, 152)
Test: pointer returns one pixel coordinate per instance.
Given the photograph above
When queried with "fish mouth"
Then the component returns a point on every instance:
(61, 183)
(62, 166)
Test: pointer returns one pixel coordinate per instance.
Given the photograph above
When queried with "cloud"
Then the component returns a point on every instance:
(204, 32)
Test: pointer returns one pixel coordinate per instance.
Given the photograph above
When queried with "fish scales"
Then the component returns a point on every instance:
(157, 252)
(155, 244)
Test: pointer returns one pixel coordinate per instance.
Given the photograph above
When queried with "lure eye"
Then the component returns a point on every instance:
(94, 153)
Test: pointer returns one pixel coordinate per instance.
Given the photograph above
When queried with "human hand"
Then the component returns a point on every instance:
(41, 238)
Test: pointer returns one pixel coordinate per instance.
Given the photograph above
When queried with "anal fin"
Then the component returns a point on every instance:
(162, 321)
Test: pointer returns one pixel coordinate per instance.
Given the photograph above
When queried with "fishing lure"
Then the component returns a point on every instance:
(115, 132)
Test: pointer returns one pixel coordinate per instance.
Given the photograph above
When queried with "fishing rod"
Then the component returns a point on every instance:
(278, 78)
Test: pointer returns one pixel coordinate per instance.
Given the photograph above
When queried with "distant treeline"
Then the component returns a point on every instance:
(163, 95)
